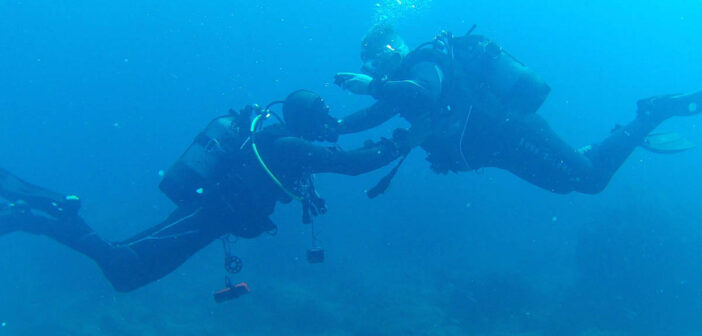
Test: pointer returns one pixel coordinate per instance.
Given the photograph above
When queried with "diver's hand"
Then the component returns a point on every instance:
(402, 139)
(353, 82)
(400, 144)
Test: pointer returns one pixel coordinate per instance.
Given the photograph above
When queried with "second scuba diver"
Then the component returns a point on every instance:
(473, 105)
(227, 182)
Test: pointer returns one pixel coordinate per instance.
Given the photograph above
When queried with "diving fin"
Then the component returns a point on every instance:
(52, 203)
(11, 216)
(667, 143)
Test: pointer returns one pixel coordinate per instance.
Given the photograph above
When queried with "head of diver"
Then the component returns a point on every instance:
(306, 115)
(382, 51)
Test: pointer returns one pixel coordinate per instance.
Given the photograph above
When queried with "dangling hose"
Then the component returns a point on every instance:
(463, 135)
(254, 126)
(384, 183)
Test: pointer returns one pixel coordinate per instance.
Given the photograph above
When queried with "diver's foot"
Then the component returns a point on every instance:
(666, 106)
(11, 216)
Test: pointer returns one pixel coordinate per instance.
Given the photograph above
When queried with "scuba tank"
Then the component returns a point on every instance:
(480, 77)
(201, 168)
(484, 66)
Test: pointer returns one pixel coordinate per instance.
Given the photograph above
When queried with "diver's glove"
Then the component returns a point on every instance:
(402, 141)
(400, 144)
(353, 82)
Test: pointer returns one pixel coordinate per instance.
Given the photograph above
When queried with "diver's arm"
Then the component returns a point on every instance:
(319, 159)
(401, 92)
(423, 88)
(367, 118)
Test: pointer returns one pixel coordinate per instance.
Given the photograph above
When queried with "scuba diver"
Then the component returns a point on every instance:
(472, 105)
(226, 183)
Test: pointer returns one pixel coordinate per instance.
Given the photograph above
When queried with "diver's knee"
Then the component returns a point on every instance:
(592, 187)
(124, 282)
(562, 190)
(123, 287)
(124, 269)
(585, 188)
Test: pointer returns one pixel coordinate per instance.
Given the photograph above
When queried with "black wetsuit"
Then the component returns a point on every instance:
(239, 208)
(469, 131)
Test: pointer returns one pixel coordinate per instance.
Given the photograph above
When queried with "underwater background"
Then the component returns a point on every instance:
(97, 97)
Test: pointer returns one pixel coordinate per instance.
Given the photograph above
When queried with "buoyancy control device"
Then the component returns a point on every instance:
(481, 66)
(199, 170)
(485, 66)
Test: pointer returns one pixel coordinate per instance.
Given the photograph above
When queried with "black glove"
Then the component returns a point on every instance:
(401, 140)
(398, 145)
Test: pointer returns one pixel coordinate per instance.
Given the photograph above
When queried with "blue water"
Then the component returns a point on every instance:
(97, 97)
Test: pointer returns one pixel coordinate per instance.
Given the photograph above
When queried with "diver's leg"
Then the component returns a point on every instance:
(131, 264)
(608, 155)
(128, 265)
(528, 147)
(71, 231)
(156, 252)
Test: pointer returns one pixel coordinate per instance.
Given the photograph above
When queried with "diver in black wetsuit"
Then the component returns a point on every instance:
(227, 182)
(473, 105)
